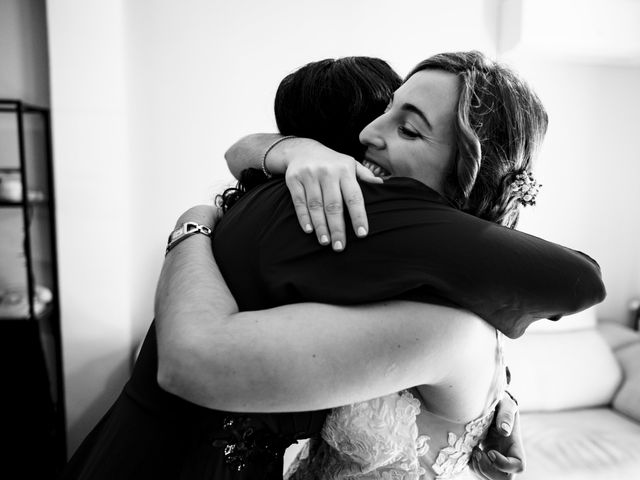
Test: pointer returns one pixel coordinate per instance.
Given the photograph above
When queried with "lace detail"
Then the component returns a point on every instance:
(377, 439)
(454, 458)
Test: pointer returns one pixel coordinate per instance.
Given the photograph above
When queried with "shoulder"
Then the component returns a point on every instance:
(401, 188)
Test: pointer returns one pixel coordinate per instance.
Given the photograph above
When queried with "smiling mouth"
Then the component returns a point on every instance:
(376, 169)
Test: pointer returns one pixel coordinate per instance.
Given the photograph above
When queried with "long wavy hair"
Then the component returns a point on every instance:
(330, 101)
(500, 125)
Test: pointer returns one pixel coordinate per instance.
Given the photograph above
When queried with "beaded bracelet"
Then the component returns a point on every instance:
(265, 170)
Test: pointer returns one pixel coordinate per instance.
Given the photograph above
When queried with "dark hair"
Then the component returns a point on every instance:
(500, 126)
(330, 101)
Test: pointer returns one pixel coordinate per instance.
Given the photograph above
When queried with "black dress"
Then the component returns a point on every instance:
(418, 248)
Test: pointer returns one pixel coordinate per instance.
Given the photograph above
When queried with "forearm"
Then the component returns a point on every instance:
(295, 357)
(249, 151)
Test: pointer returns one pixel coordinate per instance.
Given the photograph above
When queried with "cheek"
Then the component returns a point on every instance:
(412, 158)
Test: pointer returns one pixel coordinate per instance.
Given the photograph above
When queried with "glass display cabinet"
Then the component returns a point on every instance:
(32, 413)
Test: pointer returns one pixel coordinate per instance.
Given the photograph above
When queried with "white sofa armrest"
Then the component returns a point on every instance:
(618, 335)
(627, 398)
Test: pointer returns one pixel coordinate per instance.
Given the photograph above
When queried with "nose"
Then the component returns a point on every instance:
(371, 135)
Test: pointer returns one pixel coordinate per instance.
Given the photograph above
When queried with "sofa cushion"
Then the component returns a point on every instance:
(563, 368)
(592, 444)
(627, 400)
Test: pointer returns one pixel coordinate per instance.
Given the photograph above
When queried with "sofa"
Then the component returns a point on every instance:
(578, 386)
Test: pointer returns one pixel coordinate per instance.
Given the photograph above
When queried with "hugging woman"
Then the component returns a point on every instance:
(421, 257)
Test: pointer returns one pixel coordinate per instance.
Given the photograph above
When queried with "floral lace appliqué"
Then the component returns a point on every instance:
(454, 458)
(374, 440)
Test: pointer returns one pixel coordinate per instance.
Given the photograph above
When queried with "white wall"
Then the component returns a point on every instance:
(23, 50)
(590, 168)
(92, 167)
(146, 98)
(584, 62)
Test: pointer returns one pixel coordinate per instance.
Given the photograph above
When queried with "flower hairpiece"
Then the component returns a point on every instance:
(525, 188)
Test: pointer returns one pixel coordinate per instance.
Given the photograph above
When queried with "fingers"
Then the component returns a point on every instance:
(484, 469)
(315, 205)
(506, 464)
(505, 416)
(320, 194)
(334, 212)
(487, 469)
(354, 201)
(366, 175)
(299, 199)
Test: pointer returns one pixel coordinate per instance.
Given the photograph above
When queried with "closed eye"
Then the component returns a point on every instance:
(409, 133)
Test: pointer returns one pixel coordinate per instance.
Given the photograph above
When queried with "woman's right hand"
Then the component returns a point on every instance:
(321, 180)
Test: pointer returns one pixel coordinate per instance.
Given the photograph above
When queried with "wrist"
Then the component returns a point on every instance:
(202, 214)
(274, 159)
(282, 153)
(184, 231)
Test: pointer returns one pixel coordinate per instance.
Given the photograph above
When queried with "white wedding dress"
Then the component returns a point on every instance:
(394, 437)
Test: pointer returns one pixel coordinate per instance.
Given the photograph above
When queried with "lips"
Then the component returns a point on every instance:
(376, 169)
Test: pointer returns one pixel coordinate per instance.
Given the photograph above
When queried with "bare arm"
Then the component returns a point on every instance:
(249, 151)
(295, 357)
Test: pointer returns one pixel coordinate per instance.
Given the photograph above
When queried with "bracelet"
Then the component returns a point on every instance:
(265, 170)
(185, 230)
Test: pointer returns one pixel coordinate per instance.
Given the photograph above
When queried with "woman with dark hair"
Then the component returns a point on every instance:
(447, 130)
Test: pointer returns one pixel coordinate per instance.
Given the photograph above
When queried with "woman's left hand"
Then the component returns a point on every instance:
(502, 455)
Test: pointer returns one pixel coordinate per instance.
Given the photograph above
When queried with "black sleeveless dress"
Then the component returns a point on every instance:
(418, 248)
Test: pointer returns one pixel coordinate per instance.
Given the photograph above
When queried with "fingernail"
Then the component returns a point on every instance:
(337, 245)
(506, 427)
(324, 239)
(492, 456)
(477, 455)
(308, 228)
(362, 231)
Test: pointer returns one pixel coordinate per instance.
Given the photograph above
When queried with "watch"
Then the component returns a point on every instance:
(185, 231)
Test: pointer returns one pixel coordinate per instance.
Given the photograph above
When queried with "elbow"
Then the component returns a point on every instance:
(590, 289)
(192, 372)
(231, 156)
(171, 374)
(596, 287)
(180, 371)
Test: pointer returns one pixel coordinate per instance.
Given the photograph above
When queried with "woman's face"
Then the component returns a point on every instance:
(415, 137)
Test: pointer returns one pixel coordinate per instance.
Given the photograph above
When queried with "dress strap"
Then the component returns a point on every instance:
(499, 383)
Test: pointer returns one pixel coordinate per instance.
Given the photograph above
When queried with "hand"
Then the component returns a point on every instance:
(320, 181)
(502, 454)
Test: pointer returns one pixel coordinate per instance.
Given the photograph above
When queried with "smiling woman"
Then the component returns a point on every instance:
(422, 109)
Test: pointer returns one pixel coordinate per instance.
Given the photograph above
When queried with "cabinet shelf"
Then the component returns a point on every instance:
(30, 343)
(11, 204)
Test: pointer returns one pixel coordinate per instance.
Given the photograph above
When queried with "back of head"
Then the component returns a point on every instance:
(500, 126)
(331, 100)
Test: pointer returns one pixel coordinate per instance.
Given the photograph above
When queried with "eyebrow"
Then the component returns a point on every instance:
(409, 107)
